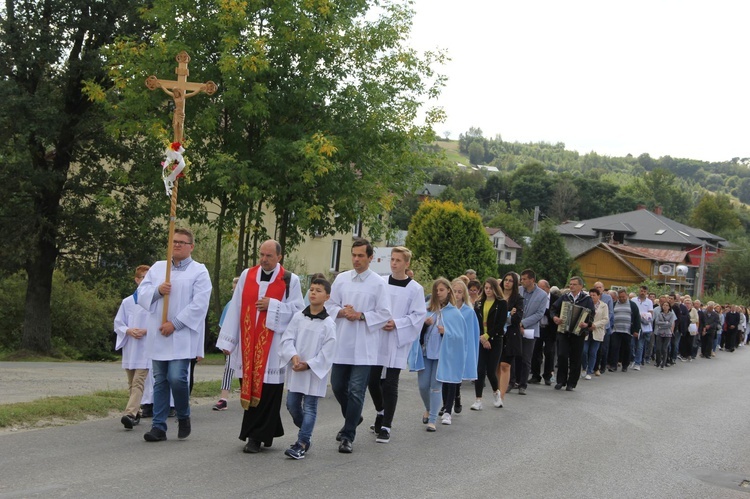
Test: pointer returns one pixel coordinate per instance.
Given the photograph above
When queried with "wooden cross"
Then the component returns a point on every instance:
(179, 90)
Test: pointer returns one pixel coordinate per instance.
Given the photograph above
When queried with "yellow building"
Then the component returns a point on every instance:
(625, 265)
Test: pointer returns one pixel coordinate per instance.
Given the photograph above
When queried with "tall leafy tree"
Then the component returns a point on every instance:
(548, 257)
(451, 239)
(714, 213)
(314, 119)
(54, 182)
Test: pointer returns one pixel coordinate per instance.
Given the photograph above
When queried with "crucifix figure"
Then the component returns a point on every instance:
(179, 90)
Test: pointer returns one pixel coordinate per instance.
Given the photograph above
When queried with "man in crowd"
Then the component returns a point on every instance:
(570, 344)
(543, 358)
(172, 344)
(646, 315)
(626, 326)
(264, 302)
(360, 302)
(534, 306)
(396, 338)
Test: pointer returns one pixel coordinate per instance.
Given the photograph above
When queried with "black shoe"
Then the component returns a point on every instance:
(183, 428)
(297, 451)
(384, 436)
(155, 435)
(458, 408)
(172, 413)
(137, 420)
(345, 447)
(548, 382)
(340, 435)
(569, 388)
(558, 386)
(441, 411)
(147, 411)
(611, 370)
(128, 421)
(252, 447)
(378, 422)
(624, 369)
(535, 380)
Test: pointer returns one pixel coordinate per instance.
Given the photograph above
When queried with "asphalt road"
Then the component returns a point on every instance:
(678, 433)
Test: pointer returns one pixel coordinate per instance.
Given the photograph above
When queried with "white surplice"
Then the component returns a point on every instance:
(188, 303)
(279, 315)
(358, 342)
(314, 340)
(409, 313)
(134, 351)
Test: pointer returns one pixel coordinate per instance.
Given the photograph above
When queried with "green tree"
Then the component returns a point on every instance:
(476, 153)
(452, 239)
(548, 257)
(531, 185)
(57, 194)
(714, 213)
(315, 119)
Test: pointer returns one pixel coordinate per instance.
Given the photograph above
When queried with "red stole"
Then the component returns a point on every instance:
(255, 336)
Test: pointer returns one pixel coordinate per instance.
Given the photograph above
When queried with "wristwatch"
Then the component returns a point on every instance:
(362, 316)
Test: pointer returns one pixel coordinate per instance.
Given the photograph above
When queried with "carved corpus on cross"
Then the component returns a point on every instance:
(179, 90)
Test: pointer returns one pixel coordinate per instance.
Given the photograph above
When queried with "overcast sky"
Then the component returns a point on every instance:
(662, 77)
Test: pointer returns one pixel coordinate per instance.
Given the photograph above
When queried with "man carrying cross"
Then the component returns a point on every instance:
(173, 342)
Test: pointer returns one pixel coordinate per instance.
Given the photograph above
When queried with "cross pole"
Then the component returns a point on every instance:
(179, 90)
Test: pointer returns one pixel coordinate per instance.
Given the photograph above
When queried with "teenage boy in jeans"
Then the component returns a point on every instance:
(308, 345)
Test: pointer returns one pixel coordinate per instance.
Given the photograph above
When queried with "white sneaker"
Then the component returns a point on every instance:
(588, 376)
(498, 400)
(637, 367)
(476, 406)
(446, 418)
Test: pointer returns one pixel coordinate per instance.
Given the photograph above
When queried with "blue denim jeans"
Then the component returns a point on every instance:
(304, 411)
(590, 349)
(640, 346)
(349, 384)
(170, 375)
(430, 389)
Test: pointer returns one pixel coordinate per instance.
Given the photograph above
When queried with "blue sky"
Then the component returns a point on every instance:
(661, 77)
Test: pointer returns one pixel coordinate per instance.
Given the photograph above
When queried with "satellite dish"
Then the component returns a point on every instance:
(666, 269)
(682, 270)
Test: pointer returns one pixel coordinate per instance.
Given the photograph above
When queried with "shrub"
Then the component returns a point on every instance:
(82, 317)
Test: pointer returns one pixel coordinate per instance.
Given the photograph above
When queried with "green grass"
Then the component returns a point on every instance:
(81, 407)
(451, 151)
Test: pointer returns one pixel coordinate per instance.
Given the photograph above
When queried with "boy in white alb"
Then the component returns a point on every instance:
(308, 345)
(130, 327)
(396, 338)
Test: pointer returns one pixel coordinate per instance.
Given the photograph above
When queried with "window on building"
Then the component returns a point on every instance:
(507, 256)
(335, 255)
(357, 228)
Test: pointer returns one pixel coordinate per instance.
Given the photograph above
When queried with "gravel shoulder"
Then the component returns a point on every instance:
(27, 381)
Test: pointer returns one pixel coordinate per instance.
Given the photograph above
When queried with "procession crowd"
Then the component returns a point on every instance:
(362, 330)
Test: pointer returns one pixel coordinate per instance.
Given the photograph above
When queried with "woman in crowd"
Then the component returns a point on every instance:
(595, 338)
(438, 355)
(664, 325)
(491, 311)
(471, 345)
(513, 339)
(693, 329)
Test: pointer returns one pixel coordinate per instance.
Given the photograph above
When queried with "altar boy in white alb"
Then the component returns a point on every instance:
(130, 327)
(396, 338)
(307, 346)
(361, 305)
(172, 344)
